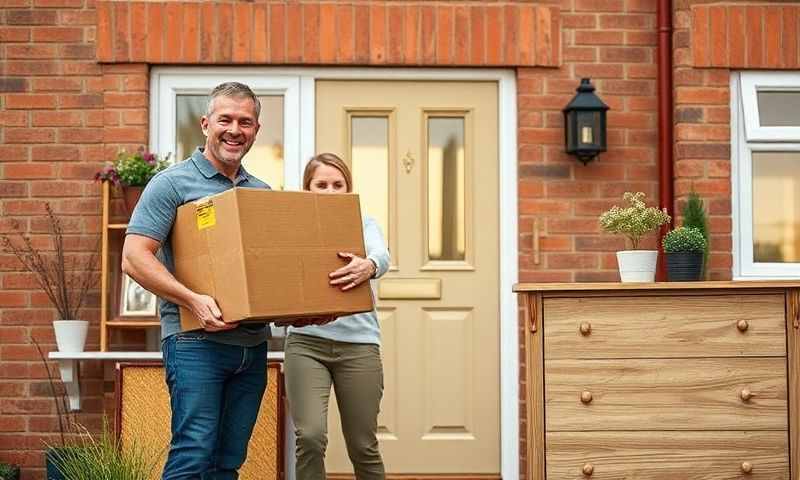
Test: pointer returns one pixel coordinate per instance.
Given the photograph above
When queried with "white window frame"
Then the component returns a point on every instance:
(305, 128)
(167, 83)
(749, 136)
(758, 81)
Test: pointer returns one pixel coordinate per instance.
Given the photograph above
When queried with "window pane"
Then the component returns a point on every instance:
(188, 112)
(446, 196)
(369, 154)
(776, 207)
(779, 109)
(265, 158)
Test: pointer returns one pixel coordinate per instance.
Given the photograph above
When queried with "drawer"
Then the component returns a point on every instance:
(665, 326)
(666, 394)
(667, 455)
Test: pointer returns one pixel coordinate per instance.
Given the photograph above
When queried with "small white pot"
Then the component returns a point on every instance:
(71, 335)
(637, 265)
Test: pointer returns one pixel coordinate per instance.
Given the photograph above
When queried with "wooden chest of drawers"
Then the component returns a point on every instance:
(664, 381)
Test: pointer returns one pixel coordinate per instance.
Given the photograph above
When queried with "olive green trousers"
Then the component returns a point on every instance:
(311, 366)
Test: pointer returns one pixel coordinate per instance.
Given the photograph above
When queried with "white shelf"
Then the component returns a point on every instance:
(105, 356)
(69, 366)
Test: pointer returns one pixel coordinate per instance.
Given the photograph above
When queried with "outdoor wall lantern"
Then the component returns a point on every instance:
(585, 123)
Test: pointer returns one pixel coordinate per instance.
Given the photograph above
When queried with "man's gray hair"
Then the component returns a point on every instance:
(233, 89)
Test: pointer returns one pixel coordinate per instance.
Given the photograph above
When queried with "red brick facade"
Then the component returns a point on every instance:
(329, 33)
(74, 88)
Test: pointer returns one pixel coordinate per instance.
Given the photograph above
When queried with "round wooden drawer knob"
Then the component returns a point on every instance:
(586, 397)
(742, 325)
(586, 328)
(588, 469)
(746, 394)
(747, 467)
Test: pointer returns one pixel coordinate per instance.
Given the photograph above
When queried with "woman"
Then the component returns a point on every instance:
(344, 353)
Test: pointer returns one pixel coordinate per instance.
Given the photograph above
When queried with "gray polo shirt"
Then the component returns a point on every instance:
(155, 214)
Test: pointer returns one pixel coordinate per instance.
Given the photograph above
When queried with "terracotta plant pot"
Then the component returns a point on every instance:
(131, 196)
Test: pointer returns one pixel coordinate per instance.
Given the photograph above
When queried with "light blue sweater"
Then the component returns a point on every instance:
(361, 327)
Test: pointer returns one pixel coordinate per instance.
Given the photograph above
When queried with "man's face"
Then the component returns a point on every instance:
(230, 129)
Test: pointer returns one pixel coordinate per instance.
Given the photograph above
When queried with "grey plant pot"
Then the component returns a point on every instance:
(53, 473)
(684, 266)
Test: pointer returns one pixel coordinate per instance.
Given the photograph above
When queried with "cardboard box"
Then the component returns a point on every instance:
(265, 255)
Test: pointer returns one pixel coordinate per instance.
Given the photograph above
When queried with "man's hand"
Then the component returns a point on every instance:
(207, 312)
(358, 271)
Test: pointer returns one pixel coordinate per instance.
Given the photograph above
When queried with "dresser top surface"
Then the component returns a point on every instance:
(660, 286)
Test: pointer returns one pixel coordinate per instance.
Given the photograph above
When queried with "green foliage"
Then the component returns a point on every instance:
(93, 458)
(633, 221)
(8, 472)
(132, 169)
(684, 240)
(694, 215)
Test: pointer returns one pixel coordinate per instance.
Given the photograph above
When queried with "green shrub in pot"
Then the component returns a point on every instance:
(684, 248)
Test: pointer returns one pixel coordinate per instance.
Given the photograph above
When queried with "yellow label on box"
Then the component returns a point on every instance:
(206, 215)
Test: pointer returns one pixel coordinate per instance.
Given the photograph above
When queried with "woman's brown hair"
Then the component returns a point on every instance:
(331, 160)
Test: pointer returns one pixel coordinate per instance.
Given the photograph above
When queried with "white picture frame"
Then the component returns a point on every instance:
(135, 300)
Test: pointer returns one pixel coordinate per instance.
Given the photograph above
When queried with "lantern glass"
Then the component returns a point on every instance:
(588, 124)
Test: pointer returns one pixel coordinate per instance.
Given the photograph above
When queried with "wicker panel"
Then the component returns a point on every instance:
(144, 418)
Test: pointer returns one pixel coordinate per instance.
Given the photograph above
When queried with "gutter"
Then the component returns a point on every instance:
(666, 193)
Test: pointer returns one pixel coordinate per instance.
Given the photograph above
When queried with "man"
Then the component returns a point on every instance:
(216, 376)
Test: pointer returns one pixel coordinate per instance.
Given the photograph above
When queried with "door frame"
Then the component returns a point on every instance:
(507, 156)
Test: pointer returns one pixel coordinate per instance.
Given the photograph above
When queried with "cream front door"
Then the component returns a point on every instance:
(425, 162)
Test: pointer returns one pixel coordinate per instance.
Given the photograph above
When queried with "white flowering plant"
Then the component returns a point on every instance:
(634, 221)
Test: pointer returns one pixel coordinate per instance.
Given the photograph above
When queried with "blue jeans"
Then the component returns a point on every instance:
(215, 393)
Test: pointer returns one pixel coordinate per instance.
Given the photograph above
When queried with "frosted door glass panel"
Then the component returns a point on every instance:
(779, 109)
(265, 158)
(446, 195)
(776, 207)
(369, 156)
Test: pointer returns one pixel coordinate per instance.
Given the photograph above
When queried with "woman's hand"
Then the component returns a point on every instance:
(358, 271)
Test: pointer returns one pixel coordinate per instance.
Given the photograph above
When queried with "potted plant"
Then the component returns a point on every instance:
(131, 172)
(66, 422)
(64, 278)
(81, 455)
(635, 221)
(93, 457)
(9, 472)
(694, 215)
(684, 248)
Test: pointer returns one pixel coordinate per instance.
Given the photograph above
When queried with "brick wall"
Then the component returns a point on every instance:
(62, 115)
(311, 32)
(613, 42)
(51, 125)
